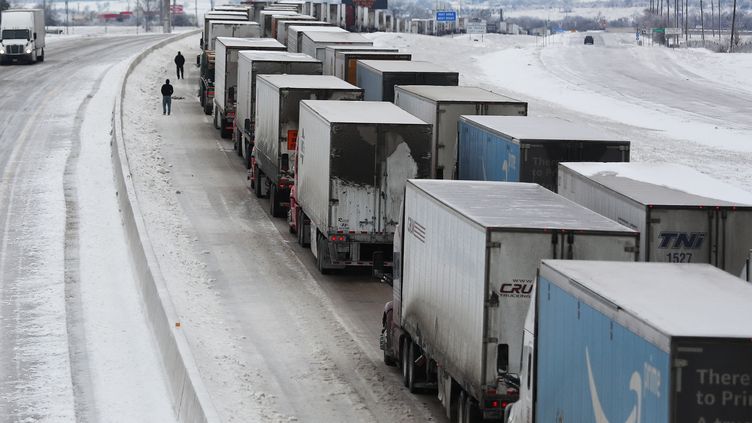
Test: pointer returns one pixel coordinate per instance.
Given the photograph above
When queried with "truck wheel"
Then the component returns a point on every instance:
(405, 352)
(257, 183)
(41, 57)
(207, 107)
(223, 131)
(216, 118)
(274, 206)
(411, 376)
(388, 359)
(321, 256)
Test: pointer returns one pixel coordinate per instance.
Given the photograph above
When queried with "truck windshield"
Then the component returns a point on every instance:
(15, 34)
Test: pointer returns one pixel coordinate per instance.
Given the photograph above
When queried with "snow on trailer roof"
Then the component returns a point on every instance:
(223, 14)
(276, 56)
(320, 82)
(250, 42)
(315, 28)
(663, 184)
(514, 205)
(234, 22)
(404, 66)
(341, 37)
(684, 300)
(380, 112)
(457, 94)
(541, 129)
(370, 48)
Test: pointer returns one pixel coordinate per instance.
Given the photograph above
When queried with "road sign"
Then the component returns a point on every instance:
(476, 27)
(446, 16)
(673, 31)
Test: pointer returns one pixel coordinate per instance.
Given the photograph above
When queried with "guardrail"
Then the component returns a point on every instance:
(190, 399)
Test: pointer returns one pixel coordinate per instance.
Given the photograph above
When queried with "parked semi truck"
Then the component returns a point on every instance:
(250, 65)
(442, 107)
(528, 149)
(353, 160)
(276, 19)
(330, 54)
(225, 95)
(683, 215)
(22, 36)
(231, 29)
(346, 62)
(465, 258)
(265, 19)
(378, 77)
(206, 59)
(295, 34)
(277, 130)
(284, 24)
(637, 342)
(315, 43)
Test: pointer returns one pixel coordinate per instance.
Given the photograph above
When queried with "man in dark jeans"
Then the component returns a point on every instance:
(166, 97)
(179, 62)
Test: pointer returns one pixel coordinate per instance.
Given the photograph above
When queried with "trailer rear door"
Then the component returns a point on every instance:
(712, 381)
(681, 235)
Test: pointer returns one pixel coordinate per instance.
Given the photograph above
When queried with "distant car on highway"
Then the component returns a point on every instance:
(589, 40)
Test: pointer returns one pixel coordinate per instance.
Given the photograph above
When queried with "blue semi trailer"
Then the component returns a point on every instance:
(529, 149)
(637, 342)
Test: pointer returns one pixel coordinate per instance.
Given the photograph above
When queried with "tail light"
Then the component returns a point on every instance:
(338, 238)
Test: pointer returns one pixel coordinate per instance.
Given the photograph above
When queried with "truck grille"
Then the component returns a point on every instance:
(15, 49)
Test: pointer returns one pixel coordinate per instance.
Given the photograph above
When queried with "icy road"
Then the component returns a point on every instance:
(74, 344)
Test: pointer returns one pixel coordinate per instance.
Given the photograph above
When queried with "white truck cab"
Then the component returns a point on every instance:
(22, 36)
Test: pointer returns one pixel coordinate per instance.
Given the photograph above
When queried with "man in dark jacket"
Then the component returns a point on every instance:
(179, 62)
(166, 97)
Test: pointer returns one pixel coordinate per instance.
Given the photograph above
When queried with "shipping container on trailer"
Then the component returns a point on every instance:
(315, 43)
(218, 16)
(346, 62)
(284, 24)
(231, 29)
(278, 100)
(442, 107)
(226, 73)
(276, 19)
(353, 161)
(265, 19)
(378, 77)
(465, 259)
(683, 215)
(528, 149)
(640, 342)
(330, 54)
(234, 8)
(251, 64)
(295, 34)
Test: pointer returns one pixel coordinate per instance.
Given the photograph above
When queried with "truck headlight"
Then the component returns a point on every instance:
(28, 51)
(2, 51)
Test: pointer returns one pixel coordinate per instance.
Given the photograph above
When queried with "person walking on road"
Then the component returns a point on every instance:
(166, 97)
(179, 62)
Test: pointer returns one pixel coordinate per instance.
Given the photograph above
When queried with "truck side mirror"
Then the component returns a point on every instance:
(35, 36)
(247, 125)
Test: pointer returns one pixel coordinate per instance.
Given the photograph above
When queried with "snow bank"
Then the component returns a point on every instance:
(190, 398)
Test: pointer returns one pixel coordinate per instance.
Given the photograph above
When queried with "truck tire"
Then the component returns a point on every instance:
(41, 57)
(258, 176)
(412, 377)
(275, 209)
(404, 360)
(207, 108)
(388, 359)
(301, 228)
(321, 256)
(223, 131)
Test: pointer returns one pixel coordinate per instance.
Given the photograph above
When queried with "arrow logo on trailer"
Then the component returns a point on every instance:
(635, 384)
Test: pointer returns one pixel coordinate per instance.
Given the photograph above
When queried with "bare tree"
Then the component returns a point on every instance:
(702, 23)
(712, 17)
(733, 22)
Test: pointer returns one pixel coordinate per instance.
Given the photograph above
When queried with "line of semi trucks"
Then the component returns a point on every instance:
(538, 275)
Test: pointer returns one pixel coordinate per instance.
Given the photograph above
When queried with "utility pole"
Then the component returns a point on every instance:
(733, 22)
(712, 18)
(719, 21)
(66, 17)
(702, 23)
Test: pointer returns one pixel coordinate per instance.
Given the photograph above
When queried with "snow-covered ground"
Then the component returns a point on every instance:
(688, 105)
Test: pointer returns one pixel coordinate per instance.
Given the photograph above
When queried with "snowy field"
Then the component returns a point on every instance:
(674, 105)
